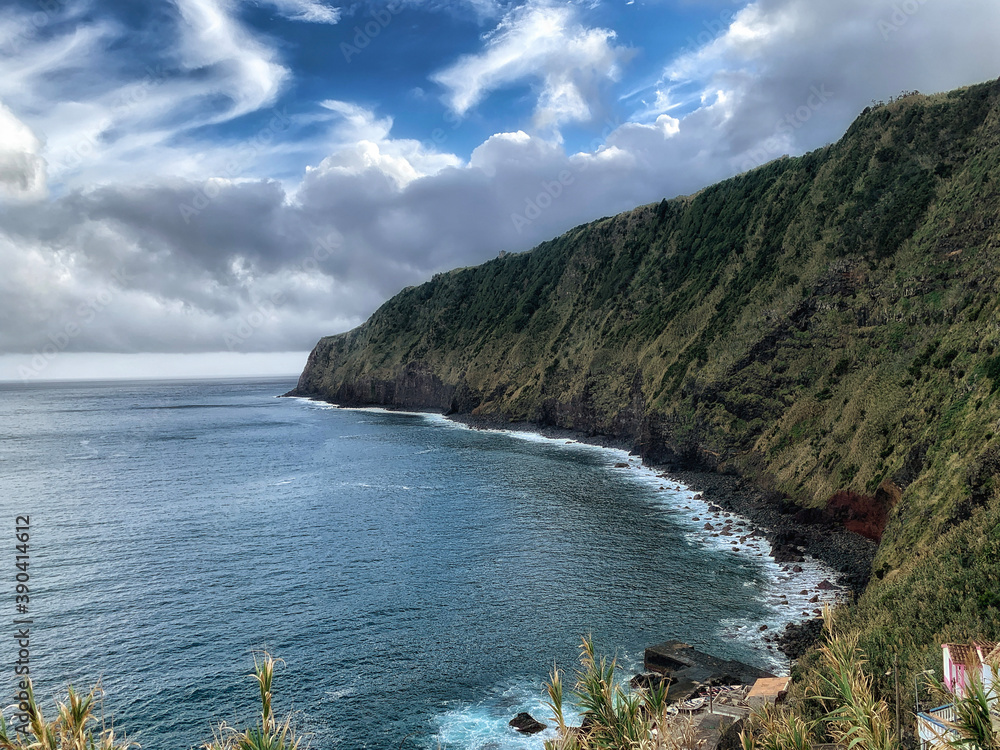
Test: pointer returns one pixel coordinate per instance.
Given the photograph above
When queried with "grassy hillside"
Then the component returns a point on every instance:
(826, 325)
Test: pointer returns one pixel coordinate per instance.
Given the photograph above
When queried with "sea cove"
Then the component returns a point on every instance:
(413, 574)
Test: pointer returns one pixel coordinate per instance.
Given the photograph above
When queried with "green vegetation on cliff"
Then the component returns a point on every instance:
(827, 326)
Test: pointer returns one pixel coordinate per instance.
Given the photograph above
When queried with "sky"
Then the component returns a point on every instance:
(207, 187)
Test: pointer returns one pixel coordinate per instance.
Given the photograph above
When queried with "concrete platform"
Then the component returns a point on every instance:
(687, 667)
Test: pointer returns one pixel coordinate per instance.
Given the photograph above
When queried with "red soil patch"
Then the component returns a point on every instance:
(866, 515)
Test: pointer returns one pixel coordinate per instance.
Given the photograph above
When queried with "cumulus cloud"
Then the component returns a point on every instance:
(793, 73)
(213, 259)
(361, 142)
(545, 45)
(22, 169)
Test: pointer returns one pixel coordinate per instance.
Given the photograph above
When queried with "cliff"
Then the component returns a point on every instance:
(826, 326)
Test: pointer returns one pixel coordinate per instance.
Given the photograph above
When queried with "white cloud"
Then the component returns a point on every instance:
(543, 44)
(310, 11)
(244, 69)
(378, 212)
(22, 169)
(362, 142)
(106, 118)
(768, 65)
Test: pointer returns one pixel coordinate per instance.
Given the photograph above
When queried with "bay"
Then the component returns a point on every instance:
(417, 578)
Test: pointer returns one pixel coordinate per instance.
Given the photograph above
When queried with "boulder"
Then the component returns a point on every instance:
(525, 723)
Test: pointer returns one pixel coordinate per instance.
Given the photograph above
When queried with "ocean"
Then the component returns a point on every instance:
(417, 578)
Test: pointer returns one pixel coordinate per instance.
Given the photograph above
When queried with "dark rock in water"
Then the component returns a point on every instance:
(621, 466)
(525, 723)
(688, 668)
(645, 680)
(825, 585)
(796, 568)
(799, 636)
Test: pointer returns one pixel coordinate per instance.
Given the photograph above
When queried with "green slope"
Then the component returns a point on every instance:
(825, 325)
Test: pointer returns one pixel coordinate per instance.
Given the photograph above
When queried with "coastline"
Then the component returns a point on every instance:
(790, 533)
(792, 541)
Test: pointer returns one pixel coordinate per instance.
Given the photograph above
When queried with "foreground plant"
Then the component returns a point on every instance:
(614, 718)
(857, 719)
(973, 727)
(268, 734)
(75, 726)
(775, 728)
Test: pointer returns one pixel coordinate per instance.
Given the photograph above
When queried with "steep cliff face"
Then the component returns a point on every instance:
(825, 325)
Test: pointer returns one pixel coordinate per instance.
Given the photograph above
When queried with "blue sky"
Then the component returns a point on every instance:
(208, 186)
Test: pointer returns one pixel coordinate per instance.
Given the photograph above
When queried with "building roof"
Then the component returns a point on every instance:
(972, 653)
(993, 656)
(769, 687)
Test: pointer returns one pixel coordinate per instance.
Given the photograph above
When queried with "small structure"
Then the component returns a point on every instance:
(689, 668)
(960, 661)
(768, 690)
(932, 727)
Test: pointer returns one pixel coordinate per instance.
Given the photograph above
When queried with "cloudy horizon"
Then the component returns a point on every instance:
(207, 187)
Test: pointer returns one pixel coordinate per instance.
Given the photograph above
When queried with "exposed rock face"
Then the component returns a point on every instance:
(415, 387)
(863, 514)
(525, 723)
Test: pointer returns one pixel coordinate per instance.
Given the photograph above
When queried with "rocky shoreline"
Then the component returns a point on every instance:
(791, 531)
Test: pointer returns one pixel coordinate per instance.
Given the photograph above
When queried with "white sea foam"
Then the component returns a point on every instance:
(484, 725)
(788, 589)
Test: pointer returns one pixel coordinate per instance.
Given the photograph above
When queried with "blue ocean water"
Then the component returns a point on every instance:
(416, 577)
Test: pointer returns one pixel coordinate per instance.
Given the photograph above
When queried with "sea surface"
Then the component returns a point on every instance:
(418, 579)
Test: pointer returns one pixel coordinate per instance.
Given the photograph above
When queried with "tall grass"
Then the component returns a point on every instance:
(79, 724)
(776, 728)
(76, 726)
(614, 717)
(268, 734)
(853, 714)
(856, 717)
